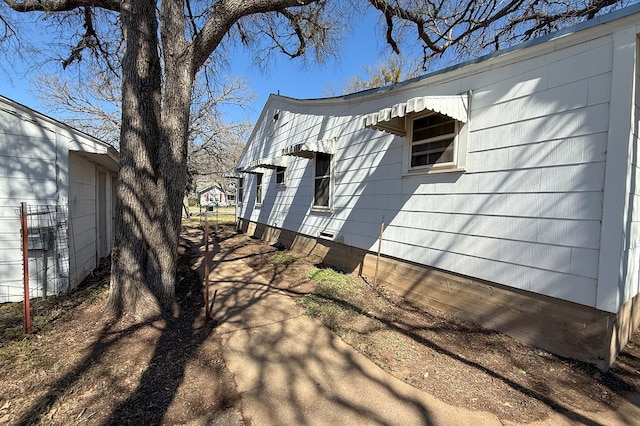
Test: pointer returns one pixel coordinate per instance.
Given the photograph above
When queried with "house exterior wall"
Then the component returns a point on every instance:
(629, 283)
(619, 284)
(632, 235)
(38, 168)
(526, 212)
(33, 160)
(542, 220)
(213, 197)
(83, 218)
(91, 209)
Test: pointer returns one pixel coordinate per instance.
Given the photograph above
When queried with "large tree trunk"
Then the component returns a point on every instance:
(176, 103)
(145, 242)
(153, 144)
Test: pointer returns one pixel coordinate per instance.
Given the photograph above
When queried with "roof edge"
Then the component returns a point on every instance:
(581, 26)
(56, 122)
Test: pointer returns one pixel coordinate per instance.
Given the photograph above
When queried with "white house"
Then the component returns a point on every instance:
(67, 179)
(213, 196)
(507, 186)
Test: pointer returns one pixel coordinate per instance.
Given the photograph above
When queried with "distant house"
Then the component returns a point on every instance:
(67, 179)
(507, 186)
(213, 196)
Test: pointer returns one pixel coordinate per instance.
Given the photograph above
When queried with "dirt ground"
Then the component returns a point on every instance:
(78, 368)
(456, 361)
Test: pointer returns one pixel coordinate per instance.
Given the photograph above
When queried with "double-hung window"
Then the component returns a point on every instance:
(433, 141)
(259, 188)
(322, 181)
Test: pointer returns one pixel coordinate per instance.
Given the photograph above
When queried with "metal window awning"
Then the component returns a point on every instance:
(269, 163)
(241, 169)
(392, 119)
(309, 148)
(249, 169)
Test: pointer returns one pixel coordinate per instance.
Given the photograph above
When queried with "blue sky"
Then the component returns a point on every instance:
(364, 46)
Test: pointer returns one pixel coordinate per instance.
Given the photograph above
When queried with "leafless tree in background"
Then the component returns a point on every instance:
(92, 104)
(391, 70)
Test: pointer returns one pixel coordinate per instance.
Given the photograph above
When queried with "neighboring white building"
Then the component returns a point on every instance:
(213, 196)
(68, 180)
(507, 186)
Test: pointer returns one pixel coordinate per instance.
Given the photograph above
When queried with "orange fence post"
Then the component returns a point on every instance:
(206, 266)
(25, 262)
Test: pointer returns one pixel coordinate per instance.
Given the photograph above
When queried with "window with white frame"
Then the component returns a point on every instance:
(322, 181)
(259, 188)
(240, 188)
(280, 176)
(432, 142)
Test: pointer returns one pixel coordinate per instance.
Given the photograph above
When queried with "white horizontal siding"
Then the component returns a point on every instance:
(630, 262)
(585, 122)
(538, 230)
(31, 159)
(567, 151)
(540, 104)
(82, 212)
(583, 206)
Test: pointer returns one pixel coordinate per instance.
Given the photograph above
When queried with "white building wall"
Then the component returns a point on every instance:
(213, 197)
(32, 161)
(616, 263)
(527, 211)
(629, 281)
(36, 168)
(83, 218)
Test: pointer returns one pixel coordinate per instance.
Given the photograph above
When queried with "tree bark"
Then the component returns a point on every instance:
(141, 257)
(176, 102)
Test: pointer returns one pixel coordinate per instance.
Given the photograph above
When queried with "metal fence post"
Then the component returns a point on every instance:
(25, 261)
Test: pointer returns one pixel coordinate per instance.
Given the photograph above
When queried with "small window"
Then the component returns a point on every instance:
(240, 189)
(259, 188)
(280, 176)
(322, 184)
(433, 139)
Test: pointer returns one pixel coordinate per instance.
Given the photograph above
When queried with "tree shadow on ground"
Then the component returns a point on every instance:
(182, 345)
(619, 380)
(289, 374)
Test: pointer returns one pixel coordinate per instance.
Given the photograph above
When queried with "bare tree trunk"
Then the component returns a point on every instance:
(176, 103)
(143, 257)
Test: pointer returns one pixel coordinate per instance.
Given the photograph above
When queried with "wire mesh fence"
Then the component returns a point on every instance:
(48, 249)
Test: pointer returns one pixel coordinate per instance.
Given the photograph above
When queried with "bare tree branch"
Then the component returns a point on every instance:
(472, 25)
(61, 5)
(224, 14)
